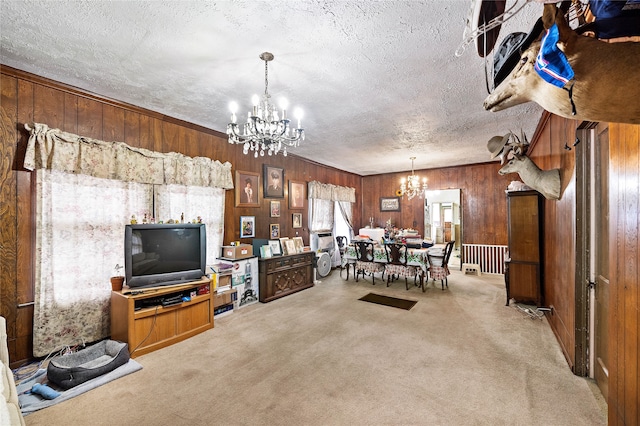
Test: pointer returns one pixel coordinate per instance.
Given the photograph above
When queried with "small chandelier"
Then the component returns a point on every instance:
(265, 129)
(411, 186)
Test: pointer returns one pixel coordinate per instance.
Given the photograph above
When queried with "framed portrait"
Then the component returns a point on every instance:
(296, 194)
(275, 208)
(274, 230)
(273, 181)
(275, 247)
(283, 244)
(297, 220)
(291, 247)
(247, 187)
(299, 244)
(247, 226)
(389, 204)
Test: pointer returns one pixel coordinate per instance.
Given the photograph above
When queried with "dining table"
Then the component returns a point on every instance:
(415, 256)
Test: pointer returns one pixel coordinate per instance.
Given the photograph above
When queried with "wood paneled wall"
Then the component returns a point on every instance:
(29, 98)
(559, 230)
(624, 268)
(483, 200)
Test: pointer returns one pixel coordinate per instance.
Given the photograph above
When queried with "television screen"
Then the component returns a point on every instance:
(166, 254)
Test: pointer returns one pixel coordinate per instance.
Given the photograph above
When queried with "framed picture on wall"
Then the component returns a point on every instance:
(247, 186)
(274, 230)
(247, 226)
(275, 208)
(296, 194)
(297, 220)
(273, 181)
(389, 204)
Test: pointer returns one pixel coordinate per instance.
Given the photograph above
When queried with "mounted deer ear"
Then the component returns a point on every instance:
(549, 15)
(553, 15)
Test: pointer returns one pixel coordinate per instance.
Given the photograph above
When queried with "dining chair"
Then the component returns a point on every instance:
(439, 265)
(342, 248)
(396, 265)
(365, 261)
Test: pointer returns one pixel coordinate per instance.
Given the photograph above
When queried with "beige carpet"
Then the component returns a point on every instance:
(322, 357)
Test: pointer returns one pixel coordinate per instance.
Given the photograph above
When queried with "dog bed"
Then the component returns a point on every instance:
(71, 370)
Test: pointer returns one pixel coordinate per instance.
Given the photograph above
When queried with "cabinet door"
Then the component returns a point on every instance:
(524, 232)
(524, 282)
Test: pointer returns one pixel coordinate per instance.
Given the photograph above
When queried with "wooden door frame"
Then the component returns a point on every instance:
(583, 284)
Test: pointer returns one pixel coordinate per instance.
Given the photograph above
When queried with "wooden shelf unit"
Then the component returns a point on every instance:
(283, 275)
(156, 327)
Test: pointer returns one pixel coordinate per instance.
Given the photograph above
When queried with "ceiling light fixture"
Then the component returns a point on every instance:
(265, 129)
(411, 186)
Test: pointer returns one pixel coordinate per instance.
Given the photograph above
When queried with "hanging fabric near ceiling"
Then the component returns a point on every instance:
(321, 199)
(56, 150)
(86, 191)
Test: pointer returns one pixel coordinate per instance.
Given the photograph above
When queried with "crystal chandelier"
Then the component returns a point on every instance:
(265, 129)
(411, 186)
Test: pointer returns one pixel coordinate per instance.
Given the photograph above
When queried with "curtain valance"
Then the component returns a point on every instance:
(327, 191)
(56, 150)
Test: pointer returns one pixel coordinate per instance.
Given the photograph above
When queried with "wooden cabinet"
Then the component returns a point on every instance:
(139, 318)
(523, 276)
(283, 275)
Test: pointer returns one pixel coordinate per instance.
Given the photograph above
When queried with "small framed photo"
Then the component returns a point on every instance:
(247, 187)
(296, 194)
(389, 204)
(283, 244)
(247, 226)
(299, 244)
(297, 220)
(291, 247)
(275, 208)
(275, 247)
(274, 229)
(265, 251)
(273, 181)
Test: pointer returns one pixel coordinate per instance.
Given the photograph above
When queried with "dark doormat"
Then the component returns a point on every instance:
(389, 301)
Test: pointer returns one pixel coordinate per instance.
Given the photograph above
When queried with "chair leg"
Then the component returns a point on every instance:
(406, 282)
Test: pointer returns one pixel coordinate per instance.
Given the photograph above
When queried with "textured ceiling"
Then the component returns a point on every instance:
(378, 80)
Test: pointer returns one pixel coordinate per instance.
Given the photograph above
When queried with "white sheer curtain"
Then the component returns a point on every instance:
(86, 191)
(172, 201)
(72, 285)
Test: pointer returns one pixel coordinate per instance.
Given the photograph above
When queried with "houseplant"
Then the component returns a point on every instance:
(117, 279)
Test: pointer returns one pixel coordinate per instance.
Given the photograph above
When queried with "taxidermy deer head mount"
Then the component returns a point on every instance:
(604, 86)
(512, 150)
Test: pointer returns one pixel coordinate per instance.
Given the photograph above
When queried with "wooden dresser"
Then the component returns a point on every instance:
(283, 275)
(523, 268)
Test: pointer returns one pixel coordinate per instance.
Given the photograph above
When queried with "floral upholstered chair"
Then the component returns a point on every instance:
(439, 264)
(397, 264)
(365, 261)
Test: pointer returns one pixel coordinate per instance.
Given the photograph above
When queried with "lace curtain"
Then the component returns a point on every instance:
(86, 190)
(321, 207)
(72, 290)
(172, 201)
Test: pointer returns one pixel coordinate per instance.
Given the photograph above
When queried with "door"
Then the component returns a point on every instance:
(601, 250)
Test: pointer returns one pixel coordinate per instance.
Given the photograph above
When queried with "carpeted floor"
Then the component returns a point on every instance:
(323, 357)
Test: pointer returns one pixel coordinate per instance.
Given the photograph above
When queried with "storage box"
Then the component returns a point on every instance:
(237, 252)
(223, 298)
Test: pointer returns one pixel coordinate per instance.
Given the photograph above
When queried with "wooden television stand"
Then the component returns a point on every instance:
(145, 325)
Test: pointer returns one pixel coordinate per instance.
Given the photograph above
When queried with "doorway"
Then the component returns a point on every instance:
(601, 259)
(443, 219)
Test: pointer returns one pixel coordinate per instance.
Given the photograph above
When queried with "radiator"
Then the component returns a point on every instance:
(490, 258)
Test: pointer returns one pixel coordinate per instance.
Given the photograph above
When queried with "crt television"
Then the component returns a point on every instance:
(167, 254)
